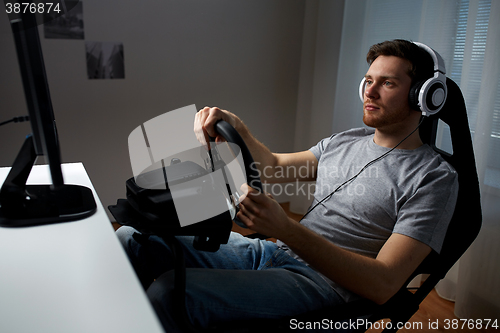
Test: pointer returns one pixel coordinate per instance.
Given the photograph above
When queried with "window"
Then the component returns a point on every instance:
(458, 30)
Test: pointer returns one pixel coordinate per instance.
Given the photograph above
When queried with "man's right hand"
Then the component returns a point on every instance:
(205, 120)
(270, 165)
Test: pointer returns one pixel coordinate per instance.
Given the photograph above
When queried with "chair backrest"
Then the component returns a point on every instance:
(466, 221)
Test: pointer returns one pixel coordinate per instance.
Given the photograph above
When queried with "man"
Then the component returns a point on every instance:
(352, 244)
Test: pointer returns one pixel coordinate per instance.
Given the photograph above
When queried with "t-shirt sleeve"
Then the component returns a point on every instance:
(319, 148)
(425, 216)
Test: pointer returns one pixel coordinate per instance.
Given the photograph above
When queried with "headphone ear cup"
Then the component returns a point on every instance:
(362, 86)
(413, 96)
(433, 96)
(427, 96)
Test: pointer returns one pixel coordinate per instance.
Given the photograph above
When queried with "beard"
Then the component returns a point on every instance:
(383, 117)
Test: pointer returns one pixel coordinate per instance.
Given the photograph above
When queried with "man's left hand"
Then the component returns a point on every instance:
(261, 213)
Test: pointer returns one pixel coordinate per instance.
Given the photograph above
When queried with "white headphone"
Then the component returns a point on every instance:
(430, 95)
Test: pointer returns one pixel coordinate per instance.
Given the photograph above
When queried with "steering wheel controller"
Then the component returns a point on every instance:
(152, 211)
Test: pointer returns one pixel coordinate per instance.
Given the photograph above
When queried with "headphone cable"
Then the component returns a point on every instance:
(362, 169)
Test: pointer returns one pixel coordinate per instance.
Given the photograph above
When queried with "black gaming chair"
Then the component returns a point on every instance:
(463, 229)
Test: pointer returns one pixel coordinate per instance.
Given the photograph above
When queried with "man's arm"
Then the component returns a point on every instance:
(377, 279)
(273, 167)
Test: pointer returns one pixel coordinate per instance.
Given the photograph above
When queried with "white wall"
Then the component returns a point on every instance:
(240, 55)
(319, 70)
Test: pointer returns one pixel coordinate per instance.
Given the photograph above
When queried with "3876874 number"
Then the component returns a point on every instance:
(32, 7)
(470, 323)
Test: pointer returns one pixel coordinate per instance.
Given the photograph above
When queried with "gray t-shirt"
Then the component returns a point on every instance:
(410, 192)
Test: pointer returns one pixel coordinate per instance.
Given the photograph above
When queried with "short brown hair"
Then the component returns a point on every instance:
(422, 65)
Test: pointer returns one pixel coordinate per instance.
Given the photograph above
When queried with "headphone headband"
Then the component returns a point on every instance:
(430, 95)
(436, 58)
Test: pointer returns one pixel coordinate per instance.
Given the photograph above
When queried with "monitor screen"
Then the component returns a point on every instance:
(25, 205)
(37, 93)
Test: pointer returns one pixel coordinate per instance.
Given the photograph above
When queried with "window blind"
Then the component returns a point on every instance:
(458, 31)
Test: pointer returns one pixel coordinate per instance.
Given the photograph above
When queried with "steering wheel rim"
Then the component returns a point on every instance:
(231, 135)
(253, 178)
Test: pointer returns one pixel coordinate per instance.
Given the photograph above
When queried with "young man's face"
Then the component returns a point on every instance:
(386, 95)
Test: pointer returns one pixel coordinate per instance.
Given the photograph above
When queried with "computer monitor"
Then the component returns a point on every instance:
(27, 205)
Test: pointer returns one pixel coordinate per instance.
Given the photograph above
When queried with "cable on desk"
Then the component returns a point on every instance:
(16, 120)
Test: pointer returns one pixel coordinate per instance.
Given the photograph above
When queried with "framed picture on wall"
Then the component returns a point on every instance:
(105, 60)
(66, 26)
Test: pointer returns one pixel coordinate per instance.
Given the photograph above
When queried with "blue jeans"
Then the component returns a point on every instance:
(245, 279)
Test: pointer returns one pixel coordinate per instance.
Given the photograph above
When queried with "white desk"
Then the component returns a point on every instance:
(69, 277)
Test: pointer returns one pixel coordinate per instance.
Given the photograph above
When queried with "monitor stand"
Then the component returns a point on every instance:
(29, 205)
